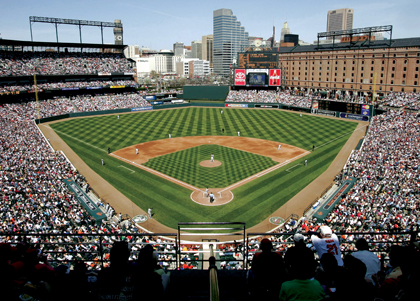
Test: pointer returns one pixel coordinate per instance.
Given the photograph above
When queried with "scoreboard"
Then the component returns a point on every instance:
(257, 77)
(258, 60)
(352, 108)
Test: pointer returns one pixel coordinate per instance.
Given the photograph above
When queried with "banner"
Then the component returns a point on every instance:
(117, 87)
(240, 77)
(141, 109)
(354, 116)
(315, 105)
(104, 74)
(365, 110)
(325, 113)
(68, 89)
(236, 105)
(156, 102)
(275, 77)
(85, 201)
(93, 88)
(150, 97)
(267, 106)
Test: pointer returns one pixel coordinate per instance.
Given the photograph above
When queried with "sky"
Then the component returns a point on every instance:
(159, 24)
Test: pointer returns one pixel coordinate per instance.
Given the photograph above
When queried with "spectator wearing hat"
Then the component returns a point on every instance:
(295, 252)
(267, 272)
(327, 242)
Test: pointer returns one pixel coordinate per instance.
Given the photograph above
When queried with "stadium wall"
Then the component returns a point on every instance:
(206, 92)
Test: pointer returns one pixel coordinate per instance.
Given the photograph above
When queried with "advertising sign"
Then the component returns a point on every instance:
(365, 110)
(240, 77)
(141, 109)
(236, 105)
(275, 77)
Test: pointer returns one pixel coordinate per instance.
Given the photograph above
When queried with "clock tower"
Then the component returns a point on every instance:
(118, 33)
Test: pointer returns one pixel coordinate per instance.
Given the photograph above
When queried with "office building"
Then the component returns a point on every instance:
(229, 39)
(179, 49)
(197, 49)
(207, 49)
(284, 30)
(340, 19)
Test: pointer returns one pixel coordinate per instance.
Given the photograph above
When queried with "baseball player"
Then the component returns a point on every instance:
(279, 147)
(221, 112)
(149, 212)
(137, 151)
(327, 242)
(102, 161)
(207, 192)
(239, 134)
(170, 136)
(212, 158)
(109, 150)
(118, 117)
(300, 114)
(306, 162)
(211, 197)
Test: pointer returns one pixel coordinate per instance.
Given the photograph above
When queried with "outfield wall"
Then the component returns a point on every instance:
(206, 92)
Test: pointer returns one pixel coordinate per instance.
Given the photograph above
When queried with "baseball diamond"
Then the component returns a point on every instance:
(254, 200)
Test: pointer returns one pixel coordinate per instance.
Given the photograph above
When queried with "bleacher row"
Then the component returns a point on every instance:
(54, 63)
(291, 98)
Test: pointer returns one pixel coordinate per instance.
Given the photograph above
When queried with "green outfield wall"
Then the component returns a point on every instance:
(206, 92)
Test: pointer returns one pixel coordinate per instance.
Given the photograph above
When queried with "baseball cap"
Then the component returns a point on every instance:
(266, 244)
(325, 230)
(298, 237)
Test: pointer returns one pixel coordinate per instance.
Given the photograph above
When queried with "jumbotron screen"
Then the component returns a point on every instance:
(257, 77)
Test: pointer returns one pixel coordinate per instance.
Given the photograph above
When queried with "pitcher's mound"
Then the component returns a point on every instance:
(208, 163)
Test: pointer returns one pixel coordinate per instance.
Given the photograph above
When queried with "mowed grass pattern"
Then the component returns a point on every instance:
(236, 165)
(254, 201)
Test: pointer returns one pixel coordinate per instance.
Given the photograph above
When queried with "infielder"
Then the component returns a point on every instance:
(170, 136)
(279, 147)
(239, 134)
(207, 192)
(137, 151)
(212, 158)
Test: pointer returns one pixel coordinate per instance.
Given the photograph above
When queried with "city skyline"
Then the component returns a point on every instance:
(160, 26)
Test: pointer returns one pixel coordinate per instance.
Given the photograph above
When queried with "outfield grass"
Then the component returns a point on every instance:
(254, 201)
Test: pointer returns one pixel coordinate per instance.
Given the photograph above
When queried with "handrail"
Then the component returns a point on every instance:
(214, 282)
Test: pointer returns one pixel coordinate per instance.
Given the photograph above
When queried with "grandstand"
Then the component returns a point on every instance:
(40, 212)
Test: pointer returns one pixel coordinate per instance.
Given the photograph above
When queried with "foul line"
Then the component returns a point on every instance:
(292, 167)
(264, 172)
(76, 138)
(132, 171)
(341, 136)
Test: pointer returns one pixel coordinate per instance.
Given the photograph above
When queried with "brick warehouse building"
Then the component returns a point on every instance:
(347, 66)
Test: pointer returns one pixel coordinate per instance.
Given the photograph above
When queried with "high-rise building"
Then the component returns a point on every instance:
(284, 30)
(340, 19)
(229, 39)
(197, 49)
(179, 49)
(118, 33)
(207, 48)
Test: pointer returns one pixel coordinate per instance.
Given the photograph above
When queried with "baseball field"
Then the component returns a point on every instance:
(251, 178)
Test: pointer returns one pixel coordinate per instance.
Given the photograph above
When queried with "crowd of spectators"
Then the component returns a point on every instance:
(79, 103)
(401, 100)
(66, 85)
(54, 63)
(385, 195)
(269, 96)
